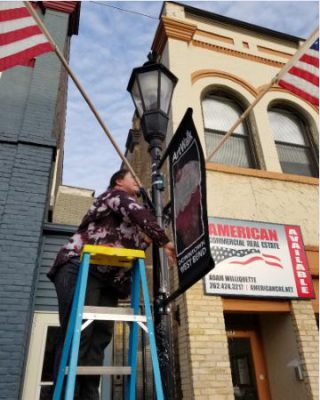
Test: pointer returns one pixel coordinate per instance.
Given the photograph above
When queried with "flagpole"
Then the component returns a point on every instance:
(81, 89)
(276, 79)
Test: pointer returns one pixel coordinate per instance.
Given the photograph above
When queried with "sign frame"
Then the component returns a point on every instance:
(242, 295)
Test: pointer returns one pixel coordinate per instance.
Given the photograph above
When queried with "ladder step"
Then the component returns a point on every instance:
(111, 314)
(86, 370)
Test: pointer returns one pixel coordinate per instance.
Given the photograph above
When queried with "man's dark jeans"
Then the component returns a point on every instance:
(94, 338)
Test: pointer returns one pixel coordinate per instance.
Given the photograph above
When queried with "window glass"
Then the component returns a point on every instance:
(295, 160)
(292, 142)
(46, 385)
(235, 150)
(286, 127)
(220, 112)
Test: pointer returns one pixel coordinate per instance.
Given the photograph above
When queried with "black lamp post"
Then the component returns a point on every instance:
(151, 87)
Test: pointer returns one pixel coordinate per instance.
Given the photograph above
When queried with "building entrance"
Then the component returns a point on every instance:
(248, 369)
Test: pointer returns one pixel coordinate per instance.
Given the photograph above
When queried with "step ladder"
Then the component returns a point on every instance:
(122, 258)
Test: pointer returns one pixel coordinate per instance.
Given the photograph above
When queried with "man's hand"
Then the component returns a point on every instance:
(171, 253)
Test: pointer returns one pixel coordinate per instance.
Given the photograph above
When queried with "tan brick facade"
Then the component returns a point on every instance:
(210, 366)
(205, 53)
(71, 204)
(308, 345)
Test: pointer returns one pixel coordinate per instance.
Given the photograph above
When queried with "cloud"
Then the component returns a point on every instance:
(109, 45)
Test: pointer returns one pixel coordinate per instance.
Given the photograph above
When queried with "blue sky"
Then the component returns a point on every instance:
(109, 45)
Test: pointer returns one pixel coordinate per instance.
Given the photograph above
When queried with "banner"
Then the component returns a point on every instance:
(189, 197)
(257, 259)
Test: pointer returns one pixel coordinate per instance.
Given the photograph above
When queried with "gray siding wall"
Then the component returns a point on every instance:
(54, 237)
(28, 101)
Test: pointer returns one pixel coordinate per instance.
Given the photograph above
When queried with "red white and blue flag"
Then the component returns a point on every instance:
(21, 39)
(303, 77)
(243, 257)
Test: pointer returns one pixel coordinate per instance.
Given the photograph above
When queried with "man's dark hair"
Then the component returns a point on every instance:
(116, 176)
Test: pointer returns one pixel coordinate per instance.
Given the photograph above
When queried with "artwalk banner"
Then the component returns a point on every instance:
(189, 197)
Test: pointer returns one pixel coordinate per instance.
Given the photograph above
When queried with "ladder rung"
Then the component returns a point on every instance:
(111, 314)
(88, 370)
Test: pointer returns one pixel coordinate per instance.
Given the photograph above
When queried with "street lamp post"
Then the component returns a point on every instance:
(151, 87)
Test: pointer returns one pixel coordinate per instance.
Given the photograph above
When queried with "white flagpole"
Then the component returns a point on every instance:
(276, 79)
(81, 89)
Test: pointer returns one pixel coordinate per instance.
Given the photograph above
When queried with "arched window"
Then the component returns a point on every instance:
(293, 140)
(220, 112)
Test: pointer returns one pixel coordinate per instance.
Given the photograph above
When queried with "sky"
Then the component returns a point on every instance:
(109, 45)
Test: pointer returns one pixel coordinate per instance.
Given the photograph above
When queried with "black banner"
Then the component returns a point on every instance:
(189, 203)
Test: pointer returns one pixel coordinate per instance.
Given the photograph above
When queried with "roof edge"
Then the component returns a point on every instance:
(69, 7)
(232, 21)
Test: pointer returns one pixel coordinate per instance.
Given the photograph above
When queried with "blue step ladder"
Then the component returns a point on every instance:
(123, 258)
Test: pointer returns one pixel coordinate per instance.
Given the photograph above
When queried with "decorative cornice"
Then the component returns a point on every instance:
(64, 6)
(205, 73)
(172, 28)
(215, 36)
(258, 173)
(236, 53)
(132, 139)
(273, 52)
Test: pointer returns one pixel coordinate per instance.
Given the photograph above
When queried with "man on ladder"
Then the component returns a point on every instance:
(115, 219)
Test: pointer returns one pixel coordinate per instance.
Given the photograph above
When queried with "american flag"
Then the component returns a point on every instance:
(240, 257)
(303, 77)
(20, 36)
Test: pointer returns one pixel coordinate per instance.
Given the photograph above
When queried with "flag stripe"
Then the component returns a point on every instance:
(301, 84)
(306, 75)
(302, 76)
(14, 25)
(11, 14)
(273, 264)
(5, 5)
(250, 260)
(11, 37)
(21, 39)
(312, 99)
(270, 256)
(17, 47)
(23, 57)
(310, 60)
(257, 258)
(307, 67)
(312, 52)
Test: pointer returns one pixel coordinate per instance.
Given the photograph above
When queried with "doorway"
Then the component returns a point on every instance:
(248, 367)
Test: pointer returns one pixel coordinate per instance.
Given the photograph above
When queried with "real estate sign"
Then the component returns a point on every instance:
(257, 259)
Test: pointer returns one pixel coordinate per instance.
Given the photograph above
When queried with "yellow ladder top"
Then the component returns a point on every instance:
(114, 256)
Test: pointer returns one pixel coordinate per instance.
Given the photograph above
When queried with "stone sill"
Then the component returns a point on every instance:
(256, 173)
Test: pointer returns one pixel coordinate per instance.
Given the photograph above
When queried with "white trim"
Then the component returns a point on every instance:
(32, 381)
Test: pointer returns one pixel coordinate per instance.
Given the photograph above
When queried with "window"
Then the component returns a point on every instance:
(295, 151)
(220, 112)
(38, 378)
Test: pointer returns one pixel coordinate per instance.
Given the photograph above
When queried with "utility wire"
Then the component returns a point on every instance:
(101, 3)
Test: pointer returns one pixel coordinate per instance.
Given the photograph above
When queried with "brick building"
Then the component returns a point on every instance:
(241, 347)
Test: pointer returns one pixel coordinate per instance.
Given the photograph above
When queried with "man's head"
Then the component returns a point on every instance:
(124, 180)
